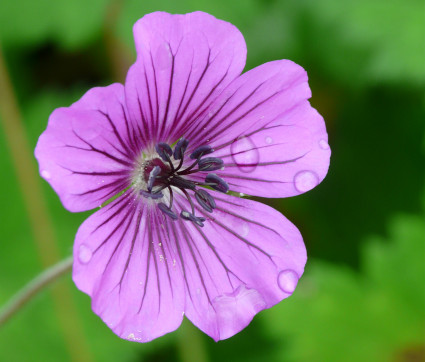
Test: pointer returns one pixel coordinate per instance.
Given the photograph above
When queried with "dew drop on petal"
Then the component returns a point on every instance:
(305, 181)
(323, 144)
(132, 337)
(84, 254)
(163, 56)
(237, 309)
(269, 140)
(245, 230)
(287, 280)
(90, 133)
(46, 174)
(245, 154)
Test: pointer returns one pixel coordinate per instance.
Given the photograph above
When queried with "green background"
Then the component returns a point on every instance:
(362, 297)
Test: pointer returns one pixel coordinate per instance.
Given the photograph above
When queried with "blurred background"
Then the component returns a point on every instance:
(362, 297)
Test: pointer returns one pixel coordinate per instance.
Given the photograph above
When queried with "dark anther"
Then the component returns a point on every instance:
(152, 177)
(164, 151)
(190, 217)
(152, 195)
(205, 200)
(180, 148)
(217, 183)
(201, 151)
(210, 164)
(167, 211)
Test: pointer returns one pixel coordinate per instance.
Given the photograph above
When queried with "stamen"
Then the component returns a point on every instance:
(201, 151)
(210, 164)
(205, 200)
(152, 195)
(182, 183)
(163, 150)
(180, 148)
(217, 183)
(171, 196)
(152, 177)
(190, 217)
(167, 211)
(160, 176)
(190, 201)
(188, 170)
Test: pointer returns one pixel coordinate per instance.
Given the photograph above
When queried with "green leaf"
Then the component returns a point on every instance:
(376, 314)
(70, 23)
(370, 41)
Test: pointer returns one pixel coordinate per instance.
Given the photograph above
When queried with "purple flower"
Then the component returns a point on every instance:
(164, 149)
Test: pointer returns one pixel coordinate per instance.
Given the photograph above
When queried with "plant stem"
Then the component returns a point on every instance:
(33, 287)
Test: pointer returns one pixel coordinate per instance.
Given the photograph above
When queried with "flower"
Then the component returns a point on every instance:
(161, 152)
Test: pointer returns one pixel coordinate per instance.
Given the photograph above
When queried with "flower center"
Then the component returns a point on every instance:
(166, 172)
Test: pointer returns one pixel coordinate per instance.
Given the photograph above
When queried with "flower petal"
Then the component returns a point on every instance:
(87, 150)
(124, 260)
(272, 142)
(285, 157)
(183, 63)
(246, 258)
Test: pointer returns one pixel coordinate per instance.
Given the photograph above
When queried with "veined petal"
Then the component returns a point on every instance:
(272, 142)
(183, 63)
(87, 151)
(246, 258)
(125, 260)
(285, 157)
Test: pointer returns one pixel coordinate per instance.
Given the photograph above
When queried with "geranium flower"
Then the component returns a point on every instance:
(163, 150)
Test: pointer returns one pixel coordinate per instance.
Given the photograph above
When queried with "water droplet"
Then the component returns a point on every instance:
(245, 154)
(91, 132)
(163, 56)
(245, 230)
(305, 181)
(287, 280)
(132, 337)
(46, 174)
(84, 254)
(236, 308)
(323, 144)
(269, 140)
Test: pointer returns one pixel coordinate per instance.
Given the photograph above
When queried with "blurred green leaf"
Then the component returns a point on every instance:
(362, 41)
(70, 23)
(374, 315)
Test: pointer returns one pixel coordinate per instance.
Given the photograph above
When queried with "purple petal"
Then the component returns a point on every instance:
(285, 157)
(86, 152)
(272, 142)
(125, 260)
(246, 257)
(183, 63)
